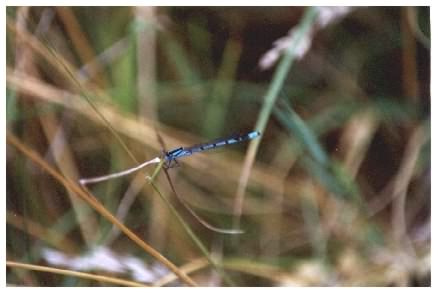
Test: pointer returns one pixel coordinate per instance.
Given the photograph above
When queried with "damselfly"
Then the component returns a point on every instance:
(171, 156)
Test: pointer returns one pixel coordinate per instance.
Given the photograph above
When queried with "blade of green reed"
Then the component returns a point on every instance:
(329, 173)
(293, 122)
(276, 84)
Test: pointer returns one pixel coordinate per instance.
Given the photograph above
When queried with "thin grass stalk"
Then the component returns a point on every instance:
(275, 86)
(94, 277)
(91, 200)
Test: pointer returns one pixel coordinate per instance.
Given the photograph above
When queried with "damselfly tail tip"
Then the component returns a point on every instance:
(254, 134)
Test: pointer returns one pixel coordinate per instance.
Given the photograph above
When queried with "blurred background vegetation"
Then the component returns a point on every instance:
(336, 191)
